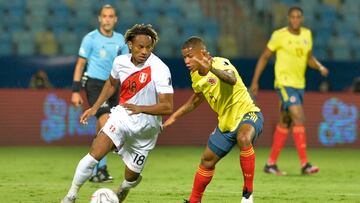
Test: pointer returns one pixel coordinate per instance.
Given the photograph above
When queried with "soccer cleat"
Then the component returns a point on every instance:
(95, 179)
(250, 199)
(104, 175)
(187, 201)
(122, 193)
(309, 169)
(273, 169)
(69, 199)
(247, 197)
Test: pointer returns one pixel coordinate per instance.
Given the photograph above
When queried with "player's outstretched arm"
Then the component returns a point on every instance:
(163, 107)
(315, 64)
(192, 103)
(260, 66)
(227, 76)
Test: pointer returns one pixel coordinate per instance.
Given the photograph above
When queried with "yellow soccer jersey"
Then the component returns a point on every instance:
(230, 102)
(291, 56)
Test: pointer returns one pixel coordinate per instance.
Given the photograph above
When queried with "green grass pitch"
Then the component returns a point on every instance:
(43, 174)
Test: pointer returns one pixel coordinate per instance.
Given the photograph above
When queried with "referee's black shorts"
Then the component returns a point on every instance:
(93, 89)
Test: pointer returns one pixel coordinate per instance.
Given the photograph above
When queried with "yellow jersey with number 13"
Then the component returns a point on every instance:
(230, 102)
(291, 56)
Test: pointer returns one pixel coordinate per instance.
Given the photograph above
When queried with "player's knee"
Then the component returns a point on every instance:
(208, 162)
(298, 121)
(244, 138)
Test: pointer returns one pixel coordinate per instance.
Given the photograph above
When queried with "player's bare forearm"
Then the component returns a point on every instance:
(227, 76)
(191, 104)
(79, 69)
(164, 107)
(107, 91)
(315, 64)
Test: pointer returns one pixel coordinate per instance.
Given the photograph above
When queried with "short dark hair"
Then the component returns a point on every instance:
(295, 8)
(106, 6)
(193, 42)
(141, 29)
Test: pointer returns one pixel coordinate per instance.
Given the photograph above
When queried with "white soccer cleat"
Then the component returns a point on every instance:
(69, 199)
(247, 200)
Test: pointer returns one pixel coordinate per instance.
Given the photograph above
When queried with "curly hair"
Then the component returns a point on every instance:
(141, 29)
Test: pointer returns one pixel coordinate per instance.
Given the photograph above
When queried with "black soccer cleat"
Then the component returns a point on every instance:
(273, 169)
(187, 201)
(104, 175)
(95, 179)
(309, 169)
(122, 194)
(247, 197)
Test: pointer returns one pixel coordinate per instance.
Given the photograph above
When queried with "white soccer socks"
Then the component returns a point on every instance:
(126, 185)
(83, 172)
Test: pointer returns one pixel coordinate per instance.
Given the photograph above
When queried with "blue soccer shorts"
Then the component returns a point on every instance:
(222, 142)
(290, 96)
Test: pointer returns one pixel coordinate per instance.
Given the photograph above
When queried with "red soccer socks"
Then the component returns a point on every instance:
(247, 163)
(203, 177)
(279, 139)
(300, 142)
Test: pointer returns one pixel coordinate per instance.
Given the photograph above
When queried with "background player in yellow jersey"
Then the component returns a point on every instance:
(217, 81)
(293, 48)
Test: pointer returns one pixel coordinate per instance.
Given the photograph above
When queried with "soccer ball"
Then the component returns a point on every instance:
(104, 195)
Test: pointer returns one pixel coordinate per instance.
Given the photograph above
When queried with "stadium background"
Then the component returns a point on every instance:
(40, 34)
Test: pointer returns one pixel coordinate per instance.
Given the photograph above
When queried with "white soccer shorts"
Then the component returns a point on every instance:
(134, 136)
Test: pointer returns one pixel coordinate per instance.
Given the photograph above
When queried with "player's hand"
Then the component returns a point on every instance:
(85, 116)
(324, 71)
(76, 99)
(254, 88)
(134, 109)
(203, 64)
(168, 122)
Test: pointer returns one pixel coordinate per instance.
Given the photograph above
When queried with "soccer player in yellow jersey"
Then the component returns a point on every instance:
(293, 48)
(217, 81)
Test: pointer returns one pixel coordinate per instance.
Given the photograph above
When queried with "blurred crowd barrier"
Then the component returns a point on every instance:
(46, 118)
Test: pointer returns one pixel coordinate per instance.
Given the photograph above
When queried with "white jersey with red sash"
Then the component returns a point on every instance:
(140, 85)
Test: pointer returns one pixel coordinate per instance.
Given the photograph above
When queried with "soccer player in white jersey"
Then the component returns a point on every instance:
(97, 52)
(132, 129)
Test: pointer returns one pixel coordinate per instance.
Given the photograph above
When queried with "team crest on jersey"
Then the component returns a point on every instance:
(143, 77)
(211, 80)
